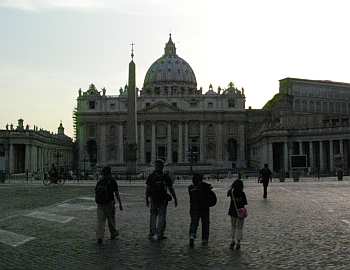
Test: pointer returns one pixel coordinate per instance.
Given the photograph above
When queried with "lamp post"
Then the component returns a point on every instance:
(84, 161)
(193, 157)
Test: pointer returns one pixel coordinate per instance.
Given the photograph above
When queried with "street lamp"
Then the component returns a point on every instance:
(84, 161)
(193, 157)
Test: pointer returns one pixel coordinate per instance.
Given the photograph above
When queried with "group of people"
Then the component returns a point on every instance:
(160, 191)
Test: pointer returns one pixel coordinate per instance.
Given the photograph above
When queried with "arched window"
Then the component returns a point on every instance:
(91, 148)
(337, 107)
(325, 107)
(312, 106)
(211, 150)
(232, 149)
(343, 107)
(161, 130)
(304, 106)
(318, 106)
(112, 130)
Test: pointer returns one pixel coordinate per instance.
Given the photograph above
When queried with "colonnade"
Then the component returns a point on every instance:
(179, 143)
(321, 154)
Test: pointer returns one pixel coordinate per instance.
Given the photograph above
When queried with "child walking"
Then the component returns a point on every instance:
(237, 212)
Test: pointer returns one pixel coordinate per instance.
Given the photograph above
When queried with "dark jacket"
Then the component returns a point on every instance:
(112, 187)
(158, 184)
(199, 200)
(265, 175)
(240, 198)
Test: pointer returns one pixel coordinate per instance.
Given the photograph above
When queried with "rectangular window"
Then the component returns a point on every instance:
(2, 150)
(148, 105)
(174, 104)
(91, 131)
(231, 103)
(112, 106)
(210, 105)
(92, 105)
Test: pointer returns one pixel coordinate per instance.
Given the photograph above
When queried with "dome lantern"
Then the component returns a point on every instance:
(170, 49)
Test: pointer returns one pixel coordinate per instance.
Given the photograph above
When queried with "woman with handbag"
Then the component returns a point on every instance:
(237, 212)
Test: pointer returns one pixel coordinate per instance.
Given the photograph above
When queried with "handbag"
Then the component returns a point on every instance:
(241, 212)
(168, 197)
(211, 198)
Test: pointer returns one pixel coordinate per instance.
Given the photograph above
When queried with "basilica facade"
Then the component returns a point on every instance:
(212, 130)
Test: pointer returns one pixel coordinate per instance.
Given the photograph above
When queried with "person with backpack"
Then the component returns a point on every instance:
(105, 190)
(265, 177)
(157, 197)
(200, 201)
(237, 212)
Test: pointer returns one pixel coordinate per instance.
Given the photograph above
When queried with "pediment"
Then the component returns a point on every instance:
(161, 107)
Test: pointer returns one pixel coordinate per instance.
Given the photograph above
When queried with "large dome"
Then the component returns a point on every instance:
(170, 74)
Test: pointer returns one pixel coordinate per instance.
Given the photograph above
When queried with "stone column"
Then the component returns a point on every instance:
(311, 155)
(102, 153)
(270, 155)
(186, 142)
(41, 160)
(169, 150)
(201, 141)
(153, 146)
(180, 147)
(219, 142)
(11, 158)
(331, 156)
(27, 157)
(142, 143)
(286, 156)
(242, 152)
(341, 149)
(81, 145)
(33, 158)
(321, 157)
(120, 143)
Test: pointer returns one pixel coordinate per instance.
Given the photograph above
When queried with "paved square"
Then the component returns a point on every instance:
(303, 225)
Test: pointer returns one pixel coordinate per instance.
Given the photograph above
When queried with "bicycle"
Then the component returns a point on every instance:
(54, 180)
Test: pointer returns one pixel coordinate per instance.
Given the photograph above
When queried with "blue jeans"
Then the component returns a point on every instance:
(158, 218)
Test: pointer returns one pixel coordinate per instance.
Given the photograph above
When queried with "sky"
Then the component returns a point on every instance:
(51, 48)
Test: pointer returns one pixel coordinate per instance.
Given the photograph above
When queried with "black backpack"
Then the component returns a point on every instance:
(158, 188)
(102, 192)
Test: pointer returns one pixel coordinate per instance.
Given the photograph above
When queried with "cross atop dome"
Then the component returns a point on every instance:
(170, 49)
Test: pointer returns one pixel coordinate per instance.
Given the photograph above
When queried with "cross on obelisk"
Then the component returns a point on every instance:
(132, 50)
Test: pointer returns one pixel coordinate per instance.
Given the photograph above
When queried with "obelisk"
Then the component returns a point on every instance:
(131, 155)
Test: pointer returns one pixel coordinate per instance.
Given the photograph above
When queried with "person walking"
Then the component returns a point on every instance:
(237, 212)
(199, 208)
(105, 190)
(265, 178)
(157, 198)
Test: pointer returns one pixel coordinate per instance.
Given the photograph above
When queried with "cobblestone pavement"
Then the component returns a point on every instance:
(303, 225)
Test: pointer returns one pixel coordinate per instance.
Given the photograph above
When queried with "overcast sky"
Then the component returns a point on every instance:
(51, 48)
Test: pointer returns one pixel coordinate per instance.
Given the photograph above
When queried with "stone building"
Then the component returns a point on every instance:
(34, 150)
(212, 129)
